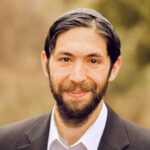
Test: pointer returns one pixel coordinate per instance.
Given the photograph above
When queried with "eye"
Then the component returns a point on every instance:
(65, 59)
(94, 61)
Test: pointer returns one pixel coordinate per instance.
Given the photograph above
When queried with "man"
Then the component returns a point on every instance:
(82, 54)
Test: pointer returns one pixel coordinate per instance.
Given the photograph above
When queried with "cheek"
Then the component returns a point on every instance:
(96, 76)
(99, 74)
(57, 77)
(99, 78)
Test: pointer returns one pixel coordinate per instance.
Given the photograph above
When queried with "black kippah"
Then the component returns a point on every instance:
(85, 11)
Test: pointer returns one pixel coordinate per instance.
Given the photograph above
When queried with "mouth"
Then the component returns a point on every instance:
(77, 93)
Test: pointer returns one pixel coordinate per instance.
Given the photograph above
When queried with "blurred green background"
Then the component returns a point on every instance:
(24, 90)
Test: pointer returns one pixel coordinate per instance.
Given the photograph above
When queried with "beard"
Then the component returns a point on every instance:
(71, 111)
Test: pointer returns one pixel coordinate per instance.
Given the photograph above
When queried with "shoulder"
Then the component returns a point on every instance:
(136, 130)
(127, 133)
(23, 124)
(12, 132)
(138, 136)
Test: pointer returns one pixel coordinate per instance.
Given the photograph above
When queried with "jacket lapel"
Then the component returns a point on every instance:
(37, 136)
(40, 144)
(114, 136)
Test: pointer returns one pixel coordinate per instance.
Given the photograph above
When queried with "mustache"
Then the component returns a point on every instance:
(70, 86)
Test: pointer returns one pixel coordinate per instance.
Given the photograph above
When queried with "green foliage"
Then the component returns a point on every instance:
(143, 51)
(120, 12)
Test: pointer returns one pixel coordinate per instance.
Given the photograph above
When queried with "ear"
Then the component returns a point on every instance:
(44, 62)
(115, 69)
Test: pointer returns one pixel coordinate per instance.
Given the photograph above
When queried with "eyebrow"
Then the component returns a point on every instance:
(88, 55)
(94, 55)
(64, 53)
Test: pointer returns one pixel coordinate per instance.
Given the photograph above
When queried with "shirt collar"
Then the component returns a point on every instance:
(95, 131)
(53, 132)
(92, 135)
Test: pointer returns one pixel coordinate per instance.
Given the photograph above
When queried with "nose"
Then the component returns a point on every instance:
(78, 73)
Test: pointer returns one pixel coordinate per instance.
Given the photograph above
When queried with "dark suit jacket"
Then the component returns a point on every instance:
(32, 134)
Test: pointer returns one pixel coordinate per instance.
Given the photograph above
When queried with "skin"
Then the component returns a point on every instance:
(80, 56)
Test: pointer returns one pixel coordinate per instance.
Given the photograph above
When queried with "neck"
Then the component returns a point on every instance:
(72, 134)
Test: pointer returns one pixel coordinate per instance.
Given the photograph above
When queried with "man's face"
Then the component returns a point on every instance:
(79, 71)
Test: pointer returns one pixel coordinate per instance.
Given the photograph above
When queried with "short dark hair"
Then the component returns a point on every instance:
(84, 19)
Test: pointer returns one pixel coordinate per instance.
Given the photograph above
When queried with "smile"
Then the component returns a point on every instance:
(77, 93)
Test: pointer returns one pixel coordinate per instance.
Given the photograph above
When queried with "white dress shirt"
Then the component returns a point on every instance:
(90, 139)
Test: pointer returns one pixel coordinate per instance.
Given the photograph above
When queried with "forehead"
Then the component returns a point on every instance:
(80, 41)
